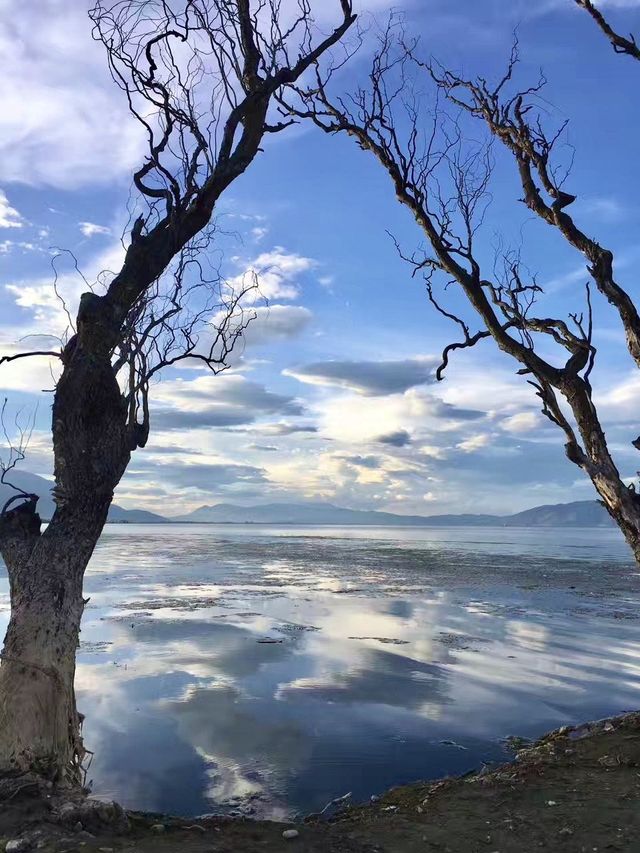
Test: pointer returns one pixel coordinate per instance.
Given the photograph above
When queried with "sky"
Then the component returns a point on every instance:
(332, 395)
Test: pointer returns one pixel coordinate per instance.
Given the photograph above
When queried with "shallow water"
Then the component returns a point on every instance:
(390, 655)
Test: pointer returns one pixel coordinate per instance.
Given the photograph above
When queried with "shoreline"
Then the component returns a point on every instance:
(575, 789)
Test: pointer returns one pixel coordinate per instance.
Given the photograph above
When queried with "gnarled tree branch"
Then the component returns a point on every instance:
(620, 44)
(514, 121)
(443, 179)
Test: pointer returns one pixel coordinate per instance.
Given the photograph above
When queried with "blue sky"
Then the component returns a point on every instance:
(333, 396)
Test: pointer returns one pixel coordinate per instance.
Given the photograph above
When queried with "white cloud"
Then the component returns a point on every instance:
(90, 229)
(44, 321)
(276, 323)
(332, 475)
(521, 422)
(356, 419)
(578, 275)
(494, 390)
(369, 378)
(276, 272)
(603, 209)
(7, 246)
(476, 442)
(270, 324)
(9, 216)
(47, 320)
(48, 314)
(28, 374)
(360, 419)
(283, 429)
(433, 451)
(64, 122)
(620, 399)
(212, 401)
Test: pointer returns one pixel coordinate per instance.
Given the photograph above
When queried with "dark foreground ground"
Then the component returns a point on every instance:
(576, 789)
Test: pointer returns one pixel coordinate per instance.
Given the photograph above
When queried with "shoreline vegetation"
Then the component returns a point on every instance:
(575, 789)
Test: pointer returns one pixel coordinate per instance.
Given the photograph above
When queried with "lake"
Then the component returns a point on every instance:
(267, 670)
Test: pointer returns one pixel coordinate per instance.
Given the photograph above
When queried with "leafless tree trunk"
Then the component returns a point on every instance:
(200, 76)
(443, 178)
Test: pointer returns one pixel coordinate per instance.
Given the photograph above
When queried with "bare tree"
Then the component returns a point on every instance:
(620, 43)
(443, 177)
(199, 75)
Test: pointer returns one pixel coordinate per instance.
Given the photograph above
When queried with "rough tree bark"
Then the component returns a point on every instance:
(39, 724)
(620, 44)
(99, 420)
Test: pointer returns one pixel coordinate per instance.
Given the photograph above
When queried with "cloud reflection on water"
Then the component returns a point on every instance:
(187, 711)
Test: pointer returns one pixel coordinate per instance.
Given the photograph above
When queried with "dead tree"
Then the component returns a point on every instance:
(620, 43)
(443, 178)
(200, 76)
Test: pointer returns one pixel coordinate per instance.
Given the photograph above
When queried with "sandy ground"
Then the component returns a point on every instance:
(576, 789)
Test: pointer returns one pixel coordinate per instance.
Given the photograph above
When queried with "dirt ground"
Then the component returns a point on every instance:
(575, 790)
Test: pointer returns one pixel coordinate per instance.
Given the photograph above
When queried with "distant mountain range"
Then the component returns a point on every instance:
(39, 486)
(576, 514)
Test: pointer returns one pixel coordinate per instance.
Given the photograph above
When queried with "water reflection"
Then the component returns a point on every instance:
(269, 671)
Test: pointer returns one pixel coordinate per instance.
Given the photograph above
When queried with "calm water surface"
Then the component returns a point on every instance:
(268, 670)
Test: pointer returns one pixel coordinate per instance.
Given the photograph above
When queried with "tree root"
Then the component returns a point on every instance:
(94, 815)
(21, 784)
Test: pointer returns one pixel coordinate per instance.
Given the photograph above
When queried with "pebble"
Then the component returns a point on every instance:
(16, 845)
(67, 809)
(158, 827)
(290, 834)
